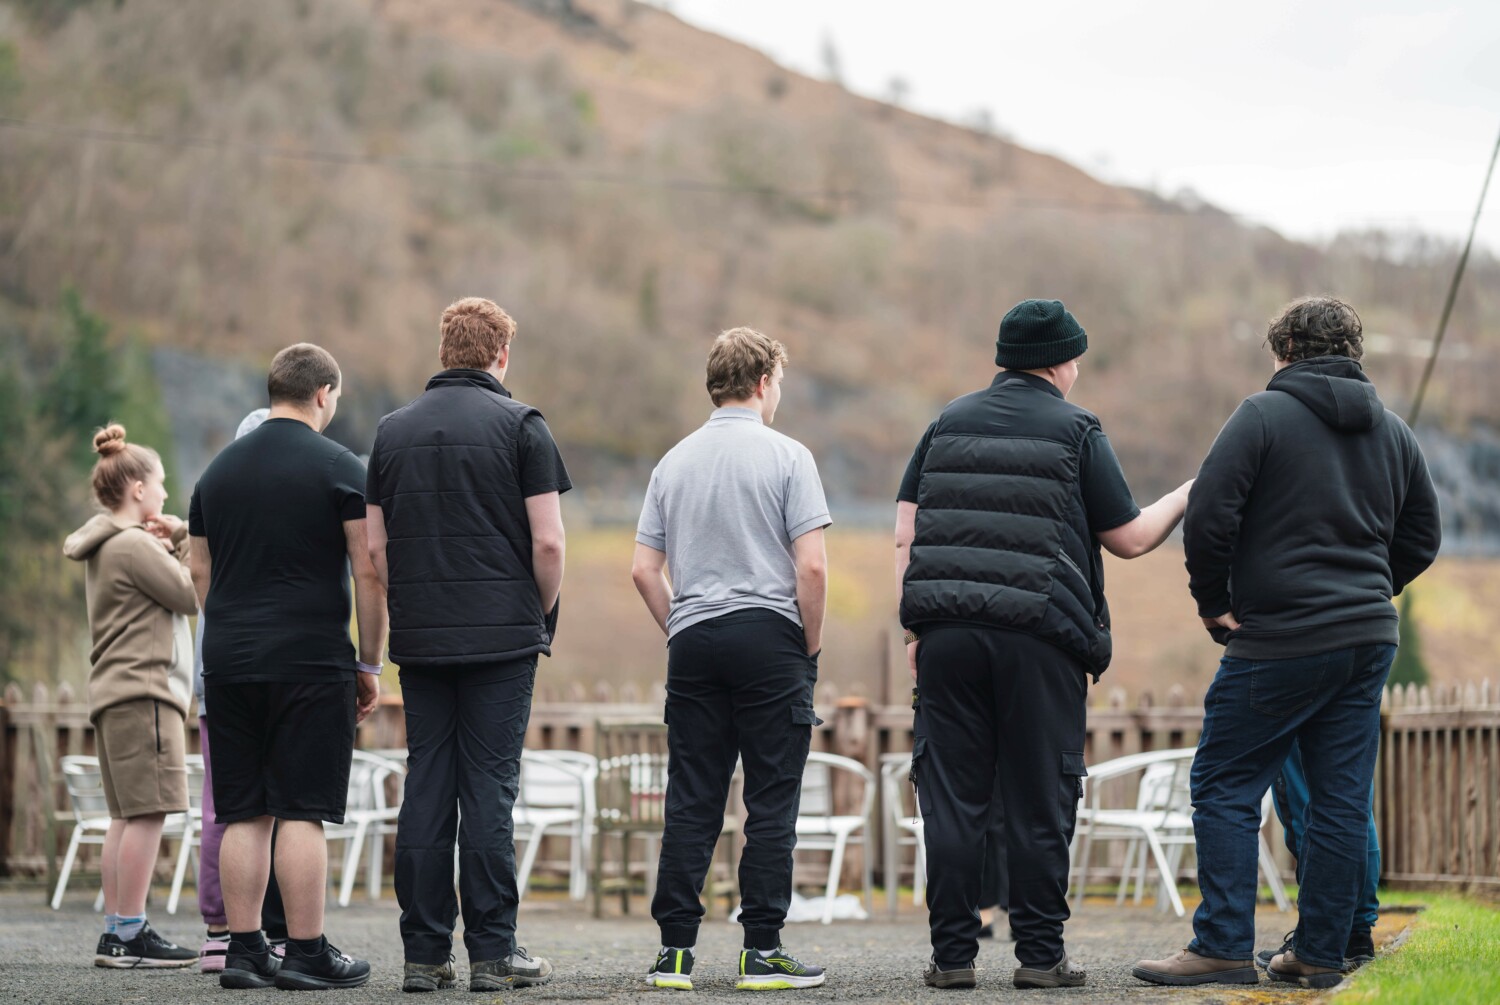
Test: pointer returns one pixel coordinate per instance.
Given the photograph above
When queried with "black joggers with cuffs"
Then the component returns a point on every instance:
(738, 686)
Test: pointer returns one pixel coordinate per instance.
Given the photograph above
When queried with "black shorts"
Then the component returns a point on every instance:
(281, 750)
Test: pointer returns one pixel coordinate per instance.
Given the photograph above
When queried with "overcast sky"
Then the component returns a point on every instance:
(1310, 116)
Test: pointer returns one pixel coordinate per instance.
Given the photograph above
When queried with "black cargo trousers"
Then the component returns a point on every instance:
(739, 686)
(993, 700)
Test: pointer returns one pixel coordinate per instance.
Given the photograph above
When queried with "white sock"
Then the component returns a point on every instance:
(677, 949)
(766, 954)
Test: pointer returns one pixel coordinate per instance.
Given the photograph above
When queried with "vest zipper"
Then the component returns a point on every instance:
(1067, 559)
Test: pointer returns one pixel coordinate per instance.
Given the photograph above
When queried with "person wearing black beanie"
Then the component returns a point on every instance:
(1036, 334)
(999, 522)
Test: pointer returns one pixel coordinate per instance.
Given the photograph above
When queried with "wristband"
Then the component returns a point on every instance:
(370, 668)
(909, 637)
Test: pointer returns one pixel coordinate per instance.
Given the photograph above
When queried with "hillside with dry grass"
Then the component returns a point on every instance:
(213, 181)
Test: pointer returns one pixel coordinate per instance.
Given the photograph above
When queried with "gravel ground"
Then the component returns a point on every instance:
(46, 956)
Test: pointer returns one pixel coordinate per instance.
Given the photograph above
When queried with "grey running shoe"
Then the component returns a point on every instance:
(673, 969)
(779, 971)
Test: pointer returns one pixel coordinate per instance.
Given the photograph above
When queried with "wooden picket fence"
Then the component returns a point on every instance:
(1437, 784)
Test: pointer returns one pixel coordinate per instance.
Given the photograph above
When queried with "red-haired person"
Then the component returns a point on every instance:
(140, 594)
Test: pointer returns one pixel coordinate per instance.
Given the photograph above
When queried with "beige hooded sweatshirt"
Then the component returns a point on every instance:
(139, 596)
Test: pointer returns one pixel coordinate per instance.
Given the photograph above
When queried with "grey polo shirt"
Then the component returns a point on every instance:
(725, 505)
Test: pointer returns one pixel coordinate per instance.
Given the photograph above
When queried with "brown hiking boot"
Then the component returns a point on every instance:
(427, 976)
(1187, 967)
(1286, 967)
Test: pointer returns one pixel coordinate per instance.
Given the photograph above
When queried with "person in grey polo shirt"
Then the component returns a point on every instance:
(736, 513)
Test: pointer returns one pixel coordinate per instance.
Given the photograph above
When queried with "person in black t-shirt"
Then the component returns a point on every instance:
(999, 524)
(279, 520)
(466, 532)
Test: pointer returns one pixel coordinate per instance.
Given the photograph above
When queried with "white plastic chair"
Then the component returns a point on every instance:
(900, 828)
(91, 819)
(90, 815)
(367, 812)
(1160, 808)
(556, 795)
(820, 829)
(1162, 819)
(192, 831)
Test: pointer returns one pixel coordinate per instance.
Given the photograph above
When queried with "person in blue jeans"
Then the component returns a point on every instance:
(1311, 511)
(1290, 795)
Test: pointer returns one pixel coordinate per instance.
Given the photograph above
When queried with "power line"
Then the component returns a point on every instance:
(1458, 275)
(178, 141)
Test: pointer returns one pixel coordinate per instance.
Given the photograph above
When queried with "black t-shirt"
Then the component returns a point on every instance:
(541, 463)
(1106, 497)
(272, 506)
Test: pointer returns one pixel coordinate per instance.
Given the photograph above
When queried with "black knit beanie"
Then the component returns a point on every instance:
(1037, 334)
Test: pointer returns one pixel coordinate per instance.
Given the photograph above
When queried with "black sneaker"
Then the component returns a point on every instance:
(428, 976)
(673, 969)
(147, 950)
(518, 970)
(953, 977)
(1264, 957)
(246, 968)
(1359, 950)
(779, 971)
(111, 952)
(325, 968)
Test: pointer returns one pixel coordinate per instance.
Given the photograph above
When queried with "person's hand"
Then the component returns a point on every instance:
(163, 525)
(1225, 620)
(369, 694)
(911, 658)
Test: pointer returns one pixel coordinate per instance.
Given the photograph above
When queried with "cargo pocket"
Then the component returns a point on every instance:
(1073, 767)
(799, 740)
(918, 753)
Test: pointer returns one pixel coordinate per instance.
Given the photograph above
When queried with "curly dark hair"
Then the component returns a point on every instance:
(1316, 326)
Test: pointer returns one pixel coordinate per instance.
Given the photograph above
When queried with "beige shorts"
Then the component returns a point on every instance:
(141, 746)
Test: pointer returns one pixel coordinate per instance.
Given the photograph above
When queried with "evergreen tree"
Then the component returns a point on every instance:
(1409, 667)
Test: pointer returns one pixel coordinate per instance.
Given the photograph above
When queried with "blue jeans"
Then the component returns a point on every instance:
(1290, 795)
(1330, 705)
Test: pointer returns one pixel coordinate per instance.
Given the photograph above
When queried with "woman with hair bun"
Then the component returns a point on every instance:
(139, 596)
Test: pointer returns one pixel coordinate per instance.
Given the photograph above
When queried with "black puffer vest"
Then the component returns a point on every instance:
(1002, 538)
(459, 552)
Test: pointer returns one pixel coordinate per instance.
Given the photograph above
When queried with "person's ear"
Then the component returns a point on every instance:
(139, 491)
(323, 394)
(765, 385)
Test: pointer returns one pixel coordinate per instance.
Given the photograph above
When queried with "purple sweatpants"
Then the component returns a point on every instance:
(210, 893)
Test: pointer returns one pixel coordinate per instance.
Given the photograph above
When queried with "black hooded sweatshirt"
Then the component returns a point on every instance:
(1312, 510)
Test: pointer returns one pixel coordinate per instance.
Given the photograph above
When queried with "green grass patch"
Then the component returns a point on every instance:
(1452, 956)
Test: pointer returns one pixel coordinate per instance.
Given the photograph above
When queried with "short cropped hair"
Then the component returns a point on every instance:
(472, 334)
(298, 371)
(1316, 326)
(740, 357)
